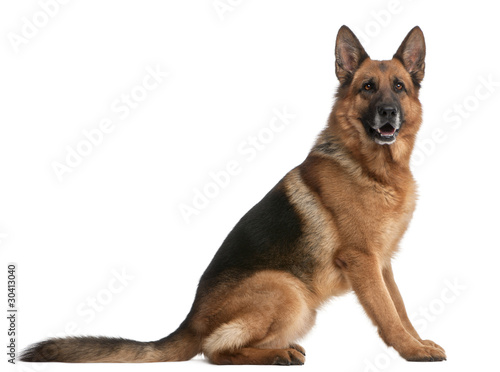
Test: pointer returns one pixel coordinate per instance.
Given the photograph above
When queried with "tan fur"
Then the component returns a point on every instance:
(265, 311)
(356, 202)
(345, 209)
(322, 238)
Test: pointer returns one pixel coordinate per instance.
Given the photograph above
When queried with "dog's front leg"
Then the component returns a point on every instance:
(364, 272)
(397, 299)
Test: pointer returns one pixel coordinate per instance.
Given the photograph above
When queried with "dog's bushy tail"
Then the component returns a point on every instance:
(181, 345)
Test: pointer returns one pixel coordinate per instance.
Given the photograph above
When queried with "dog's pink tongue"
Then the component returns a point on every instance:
(387, 133)
(387, 130)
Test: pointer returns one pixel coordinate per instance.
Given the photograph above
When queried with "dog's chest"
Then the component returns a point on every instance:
(384, 217)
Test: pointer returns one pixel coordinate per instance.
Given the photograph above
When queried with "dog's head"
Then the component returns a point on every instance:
(380, 98)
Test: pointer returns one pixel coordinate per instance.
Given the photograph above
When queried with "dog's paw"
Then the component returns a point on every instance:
(433, 344)
(288, 357)
(423, 353)
(299, 348)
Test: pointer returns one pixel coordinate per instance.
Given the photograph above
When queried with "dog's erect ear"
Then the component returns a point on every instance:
(349, 54)
(411, 53)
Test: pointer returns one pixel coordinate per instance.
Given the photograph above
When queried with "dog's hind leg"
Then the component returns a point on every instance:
(250, 355)
(272, 314)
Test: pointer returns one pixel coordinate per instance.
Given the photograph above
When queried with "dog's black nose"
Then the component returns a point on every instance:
(387, 111)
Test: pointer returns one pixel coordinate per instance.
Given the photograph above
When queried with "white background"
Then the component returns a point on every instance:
(119, 209)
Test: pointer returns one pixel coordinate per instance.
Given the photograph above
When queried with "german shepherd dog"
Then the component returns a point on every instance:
(331, 225)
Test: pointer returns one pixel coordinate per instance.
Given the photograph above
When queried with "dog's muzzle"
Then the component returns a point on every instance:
(386, 124)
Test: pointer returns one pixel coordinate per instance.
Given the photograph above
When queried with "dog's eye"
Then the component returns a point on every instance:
(399, 86)
(368, 86)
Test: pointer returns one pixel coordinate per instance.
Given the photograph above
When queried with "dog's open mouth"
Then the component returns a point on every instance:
(385, 135)
(387, 130)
